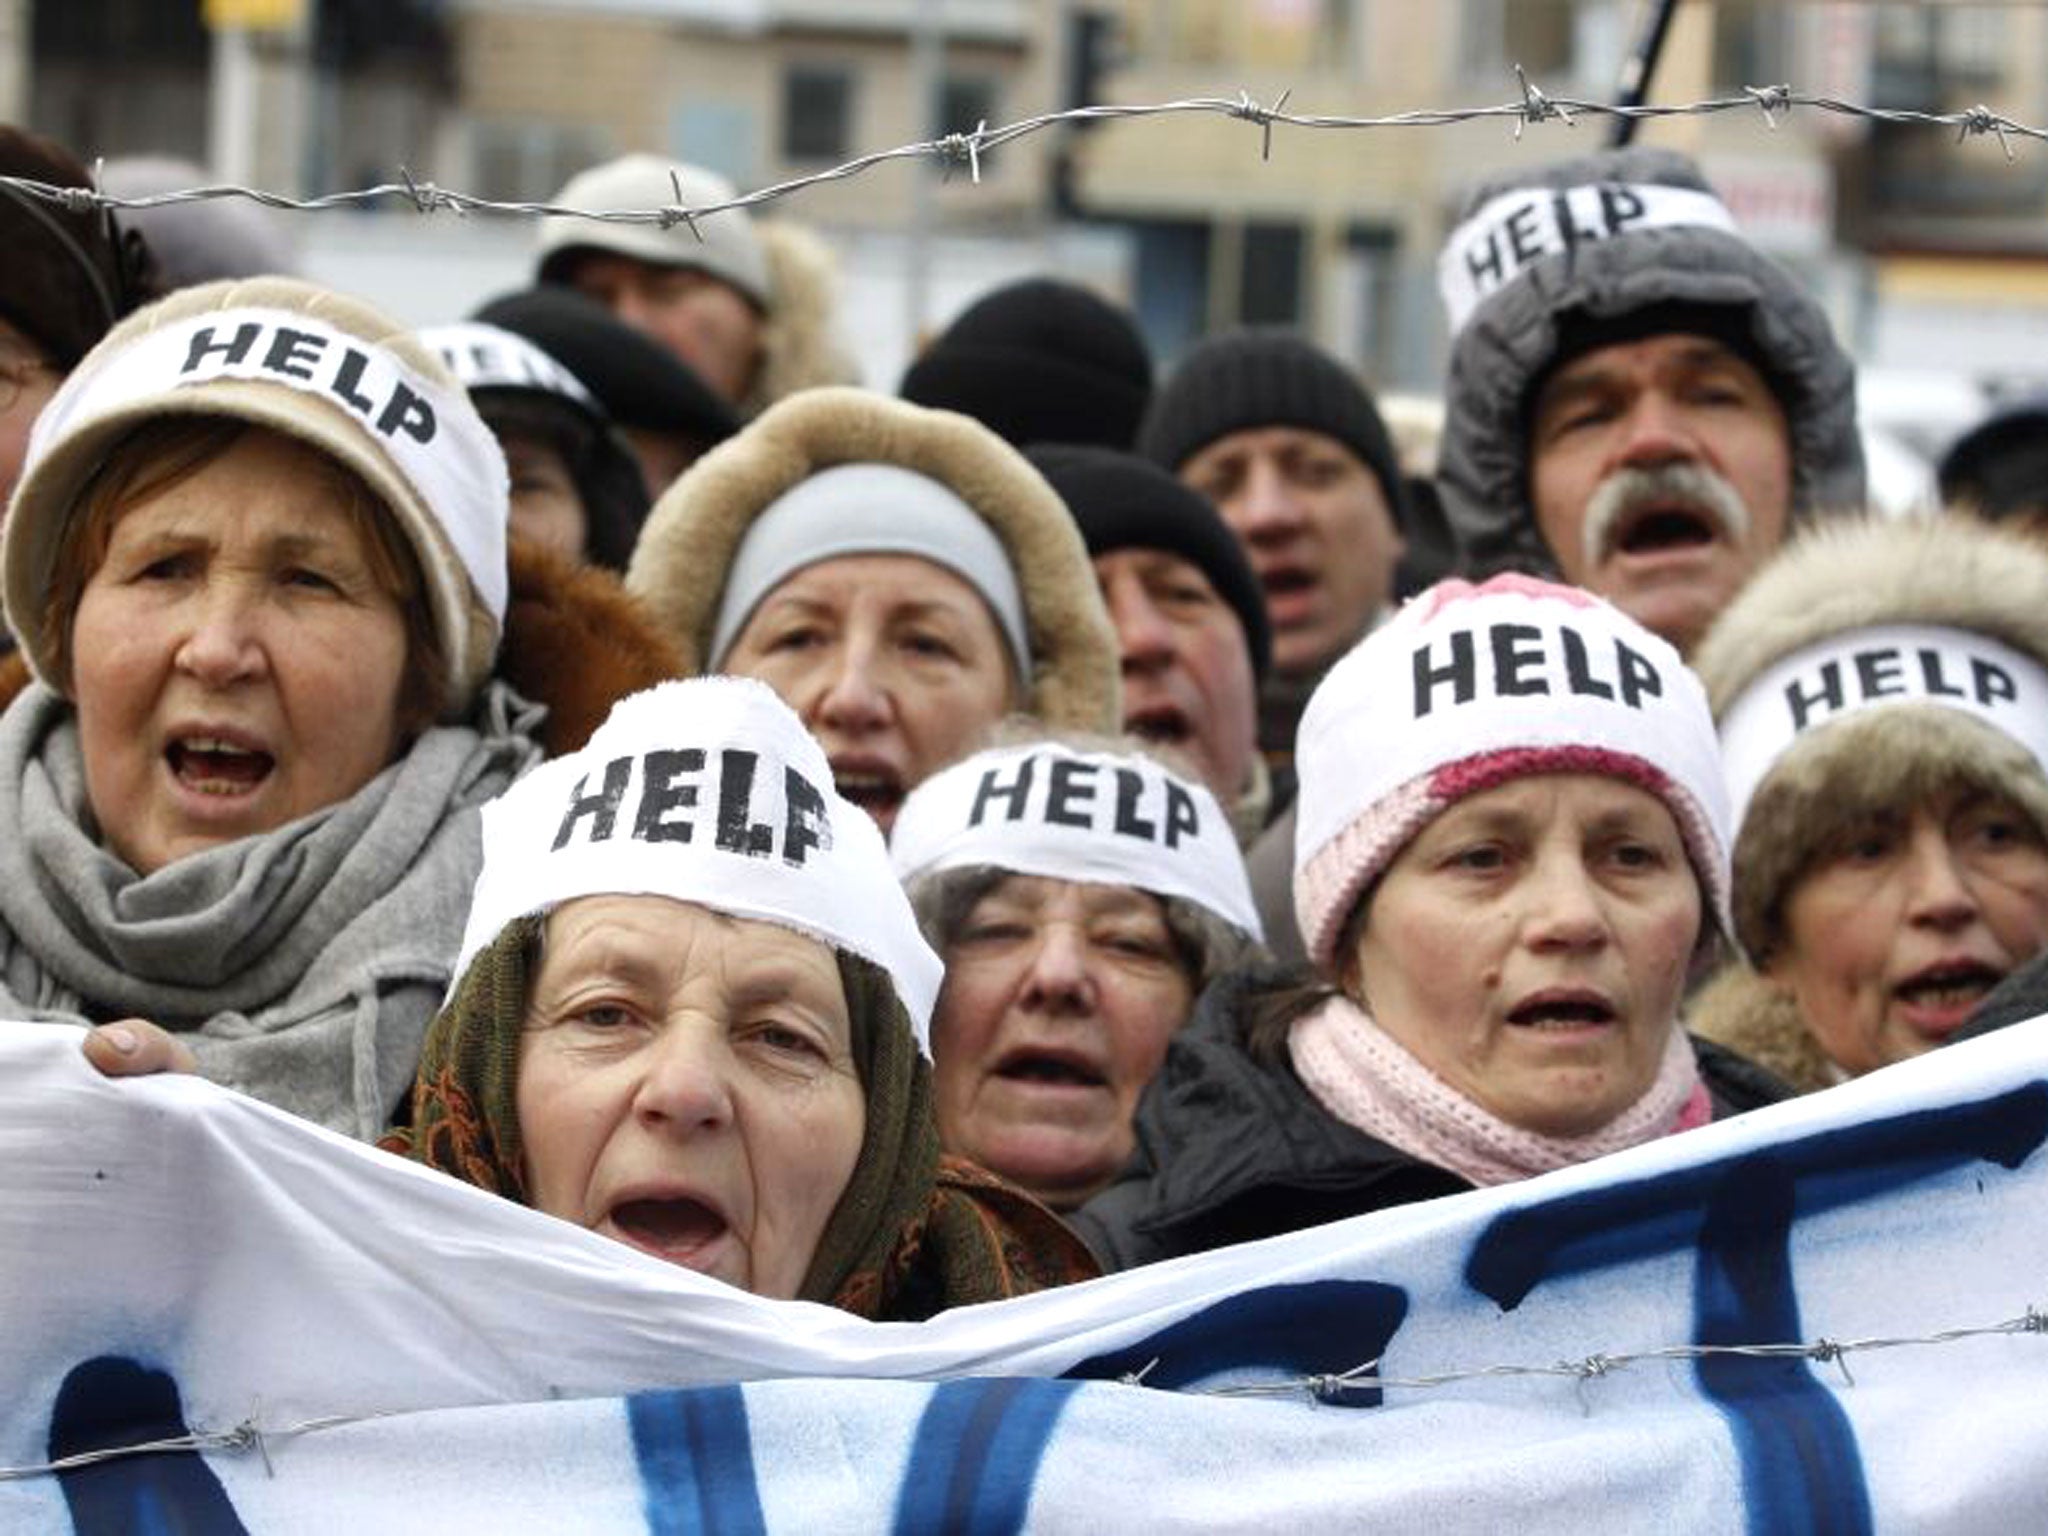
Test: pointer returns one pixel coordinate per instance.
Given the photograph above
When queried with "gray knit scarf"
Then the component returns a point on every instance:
(304, 962)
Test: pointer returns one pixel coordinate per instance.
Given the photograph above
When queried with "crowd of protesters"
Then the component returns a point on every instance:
(908, 850)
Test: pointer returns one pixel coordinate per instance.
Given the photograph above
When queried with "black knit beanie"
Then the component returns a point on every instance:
(1039, 361)
(1122, 501)
(1732, 325)
(66, 275)
(1268, 377)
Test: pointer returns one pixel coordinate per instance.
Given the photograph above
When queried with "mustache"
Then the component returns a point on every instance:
(1626, 491)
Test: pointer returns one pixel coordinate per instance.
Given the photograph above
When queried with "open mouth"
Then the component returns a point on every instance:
(1159, 722)
(1950, 985)
(1286, 580)
(675, 1229)
(1050, 1069)
(877, 791)
(209, 765)
(1563, 1011)
(1655, 530)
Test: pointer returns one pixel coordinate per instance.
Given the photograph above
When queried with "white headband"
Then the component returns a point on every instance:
(1106, 818)
(1509, 233)
(1864, 669)
(707, 790)
(490, 357)
(433, 437)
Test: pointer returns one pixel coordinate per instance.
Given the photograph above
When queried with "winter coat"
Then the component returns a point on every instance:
(1230, 1149)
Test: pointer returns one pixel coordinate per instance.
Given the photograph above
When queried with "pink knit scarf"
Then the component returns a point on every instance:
(1367, 1079)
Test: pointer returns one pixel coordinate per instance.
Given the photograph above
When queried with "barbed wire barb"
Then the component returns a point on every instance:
(1533, 106)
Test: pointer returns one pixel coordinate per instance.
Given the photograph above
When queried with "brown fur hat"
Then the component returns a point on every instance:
(686, 549)
(800, 349)
(1946, 572)
(1762, 1023)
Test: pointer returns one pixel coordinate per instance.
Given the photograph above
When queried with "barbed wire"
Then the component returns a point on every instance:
(955, 150)
(249, 1436)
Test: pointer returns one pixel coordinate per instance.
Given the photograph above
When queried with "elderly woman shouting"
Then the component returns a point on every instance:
(903, 578)
(257, 566)
(1882, 689)
(693, 1016)
(1082, 896)
(1512, 850)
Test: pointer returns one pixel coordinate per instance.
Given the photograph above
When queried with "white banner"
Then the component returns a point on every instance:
(355, 1343)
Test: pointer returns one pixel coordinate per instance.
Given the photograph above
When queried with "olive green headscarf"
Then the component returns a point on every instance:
(913, 1233)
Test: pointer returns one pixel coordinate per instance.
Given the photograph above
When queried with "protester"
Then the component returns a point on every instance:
(66, 276)
(1513, 851)
(693, 1015)
(1638, 400)
(575, 488)
(257, 566)
(1290, 447)
(746, 305)
(1190, 622)
(1999, 468)
(1081, 895)
(198, 241)
(1039, 361)
(901, 577)
(1882, 688)
(667, 415)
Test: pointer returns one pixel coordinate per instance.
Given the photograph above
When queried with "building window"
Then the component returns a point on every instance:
(817, 112)
(1577, 42)
(965, 103)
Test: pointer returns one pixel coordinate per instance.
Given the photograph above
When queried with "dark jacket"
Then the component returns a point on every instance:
(1230, 1149)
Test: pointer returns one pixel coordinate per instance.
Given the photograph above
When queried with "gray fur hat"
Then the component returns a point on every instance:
(1590, 241)
(1874, 663)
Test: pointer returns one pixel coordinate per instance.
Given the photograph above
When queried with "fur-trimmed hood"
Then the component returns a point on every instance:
(686, 550)
(800, 346)
(1511, 337)
(1941, 572)
(1737, 1008)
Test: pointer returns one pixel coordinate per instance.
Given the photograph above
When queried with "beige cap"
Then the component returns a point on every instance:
(724, 245)
(312, 365)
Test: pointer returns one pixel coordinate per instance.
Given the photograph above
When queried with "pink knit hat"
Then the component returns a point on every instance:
(1470, 686)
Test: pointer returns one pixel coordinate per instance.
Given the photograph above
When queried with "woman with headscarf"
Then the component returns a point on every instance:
(694, 1015)
(1882, 691)
(257, 567)
(1512, 853)
(1082, 894)
(902, 578)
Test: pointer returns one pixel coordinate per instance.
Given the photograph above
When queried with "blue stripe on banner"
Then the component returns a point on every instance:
(975, 1459)
(109, 1401)
(696, 1462)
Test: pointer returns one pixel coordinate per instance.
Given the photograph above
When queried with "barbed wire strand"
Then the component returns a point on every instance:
(1328, 1387)
(1533, 107)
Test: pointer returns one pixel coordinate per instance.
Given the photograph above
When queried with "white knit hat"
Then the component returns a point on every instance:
(722, 244)
(322, 369)
(707, 790)
(1470, 686)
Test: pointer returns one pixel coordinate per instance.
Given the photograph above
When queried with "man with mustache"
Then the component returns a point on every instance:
(1638, 399)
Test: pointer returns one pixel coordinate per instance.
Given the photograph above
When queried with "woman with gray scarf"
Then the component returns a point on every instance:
(257, 566)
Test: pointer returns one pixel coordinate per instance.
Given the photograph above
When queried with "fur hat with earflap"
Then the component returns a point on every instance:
(1872, 665)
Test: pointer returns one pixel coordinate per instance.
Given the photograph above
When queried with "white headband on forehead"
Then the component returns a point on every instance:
(708, 791)
(1510, 232)
(1515, 665)
(1866, 669)
(490, 357)
(1106, 818)
(433, 437)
